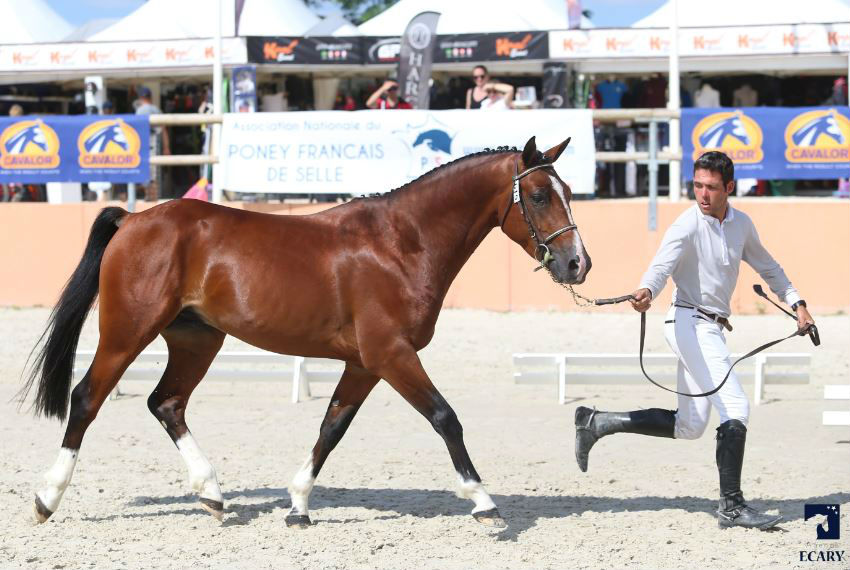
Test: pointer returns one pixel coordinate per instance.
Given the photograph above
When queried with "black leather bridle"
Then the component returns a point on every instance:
(541, 252)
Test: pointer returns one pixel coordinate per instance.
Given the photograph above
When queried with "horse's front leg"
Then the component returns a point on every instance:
(401, 368)
(352, 390)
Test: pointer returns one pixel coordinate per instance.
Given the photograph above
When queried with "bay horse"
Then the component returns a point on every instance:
(362, 282)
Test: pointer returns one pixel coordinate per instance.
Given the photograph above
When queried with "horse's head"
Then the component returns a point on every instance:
(538, 217)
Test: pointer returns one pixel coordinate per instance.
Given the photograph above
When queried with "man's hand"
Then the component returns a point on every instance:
(641, 301)
(804, 319)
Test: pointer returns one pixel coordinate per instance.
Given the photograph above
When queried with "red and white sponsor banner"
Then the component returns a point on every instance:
(119, 55)
(696, 42)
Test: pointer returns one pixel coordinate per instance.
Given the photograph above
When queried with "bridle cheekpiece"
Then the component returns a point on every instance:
(541, 252)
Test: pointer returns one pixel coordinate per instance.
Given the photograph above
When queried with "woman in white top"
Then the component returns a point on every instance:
(481, 96)
(500, 96)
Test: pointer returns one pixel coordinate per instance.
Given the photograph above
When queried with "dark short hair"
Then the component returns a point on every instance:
(715, 161)
(481, 67)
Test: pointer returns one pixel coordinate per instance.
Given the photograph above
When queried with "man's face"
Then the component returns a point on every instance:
(710, 193)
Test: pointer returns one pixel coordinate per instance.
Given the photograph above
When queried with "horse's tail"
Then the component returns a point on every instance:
(54, 361)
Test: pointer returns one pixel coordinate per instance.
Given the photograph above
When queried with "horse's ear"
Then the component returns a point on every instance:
(553, 153)
(529, 153)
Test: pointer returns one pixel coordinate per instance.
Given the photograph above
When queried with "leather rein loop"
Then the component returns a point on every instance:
(811, 331)
(541, 252)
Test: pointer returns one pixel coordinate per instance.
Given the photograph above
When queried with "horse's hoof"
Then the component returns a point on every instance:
(40, 512)
(490, 518)
(298, 521)
(215, 508)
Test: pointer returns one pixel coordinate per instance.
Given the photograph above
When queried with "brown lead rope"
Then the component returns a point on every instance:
(811, 331)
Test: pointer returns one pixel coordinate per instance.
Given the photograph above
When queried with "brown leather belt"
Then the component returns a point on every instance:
(711, 316)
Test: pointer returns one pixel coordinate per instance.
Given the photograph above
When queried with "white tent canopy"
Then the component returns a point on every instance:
(698, 13)
(333, 25)
(29, 22)
(473, 16)
(183, 19)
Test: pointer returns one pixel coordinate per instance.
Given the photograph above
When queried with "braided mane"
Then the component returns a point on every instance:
(486, 152)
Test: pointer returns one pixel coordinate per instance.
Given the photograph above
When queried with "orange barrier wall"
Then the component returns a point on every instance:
(40, 245)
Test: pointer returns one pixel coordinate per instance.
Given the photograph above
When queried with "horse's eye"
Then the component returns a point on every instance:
(538, 197)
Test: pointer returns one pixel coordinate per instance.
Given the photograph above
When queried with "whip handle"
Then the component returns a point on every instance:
(613, 300)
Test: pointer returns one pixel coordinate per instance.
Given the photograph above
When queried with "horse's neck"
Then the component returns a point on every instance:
(456, 211)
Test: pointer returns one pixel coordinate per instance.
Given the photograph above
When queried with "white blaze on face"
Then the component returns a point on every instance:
(474, 491)
(579, 246)
(58, 478)
(299, 489)
(202, 476)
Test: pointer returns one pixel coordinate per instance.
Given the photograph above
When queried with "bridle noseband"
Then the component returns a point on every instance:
(541, 252)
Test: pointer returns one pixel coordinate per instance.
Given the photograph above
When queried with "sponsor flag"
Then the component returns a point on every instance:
(771, 142)
(243, 95)
(83, 148)
(415, 59)
(574, 14)
(556, 76)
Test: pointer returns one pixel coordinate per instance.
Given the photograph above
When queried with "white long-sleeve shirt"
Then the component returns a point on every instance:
(703, 256)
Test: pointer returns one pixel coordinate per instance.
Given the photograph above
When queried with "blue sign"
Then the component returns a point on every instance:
(83, 148)
(771, 142)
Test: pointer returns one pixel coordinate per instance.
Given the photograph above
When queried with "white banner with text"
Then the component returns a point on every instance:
(366, 152)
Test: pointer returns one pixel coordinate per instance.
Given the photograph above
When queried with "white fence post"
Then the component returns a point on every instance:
(758, 379)
(562, 379)
(836, 392)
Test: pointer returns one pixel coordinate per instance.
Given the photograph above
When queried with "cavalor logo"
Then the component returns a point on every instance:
(818, 136)
(732, 133)
(29, 145)
(109, 144)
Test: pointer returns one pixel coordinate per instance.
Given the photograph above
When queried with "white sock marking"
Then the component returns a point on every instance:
(202, 476)
(299, 489)
(475, 491)
(58, 478)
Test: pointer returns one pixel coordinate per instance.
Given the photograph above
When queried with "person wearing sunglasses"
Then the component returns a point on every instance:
(386, 97)
(475, 95)
(488, 94)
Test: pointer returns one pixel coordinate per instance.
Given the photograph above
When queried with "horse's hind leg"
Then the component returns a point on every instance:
(114, 354)
(403, 370)
(352, 390)
(192, 346)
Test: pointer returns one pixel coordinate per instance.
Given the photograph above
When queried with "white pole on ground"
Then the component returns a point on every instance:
(674, 103)
(217, 94)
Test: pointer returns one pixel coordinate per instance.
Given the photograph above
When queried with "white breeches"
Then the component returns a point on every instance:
(703, 362)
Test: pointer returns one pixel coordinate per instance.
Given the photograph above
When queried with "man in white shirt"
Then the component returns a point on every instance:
(702, 251)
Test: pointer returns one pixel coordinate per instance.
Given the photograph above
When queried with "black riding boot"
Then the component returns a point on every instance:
(733, 510)
(591, 425)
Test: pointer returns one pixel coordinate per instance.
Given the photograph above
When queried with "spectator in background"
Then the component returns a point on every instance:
(159, 143)
(838, 96)
(16, 111)
(476, 95)
(344, 102)
(500, 96)
(610, 93)
(386, 97)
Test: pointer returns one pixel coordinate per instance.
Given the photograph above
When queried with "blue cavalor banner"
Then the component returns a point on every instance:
(82, 148)
(771, 142)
